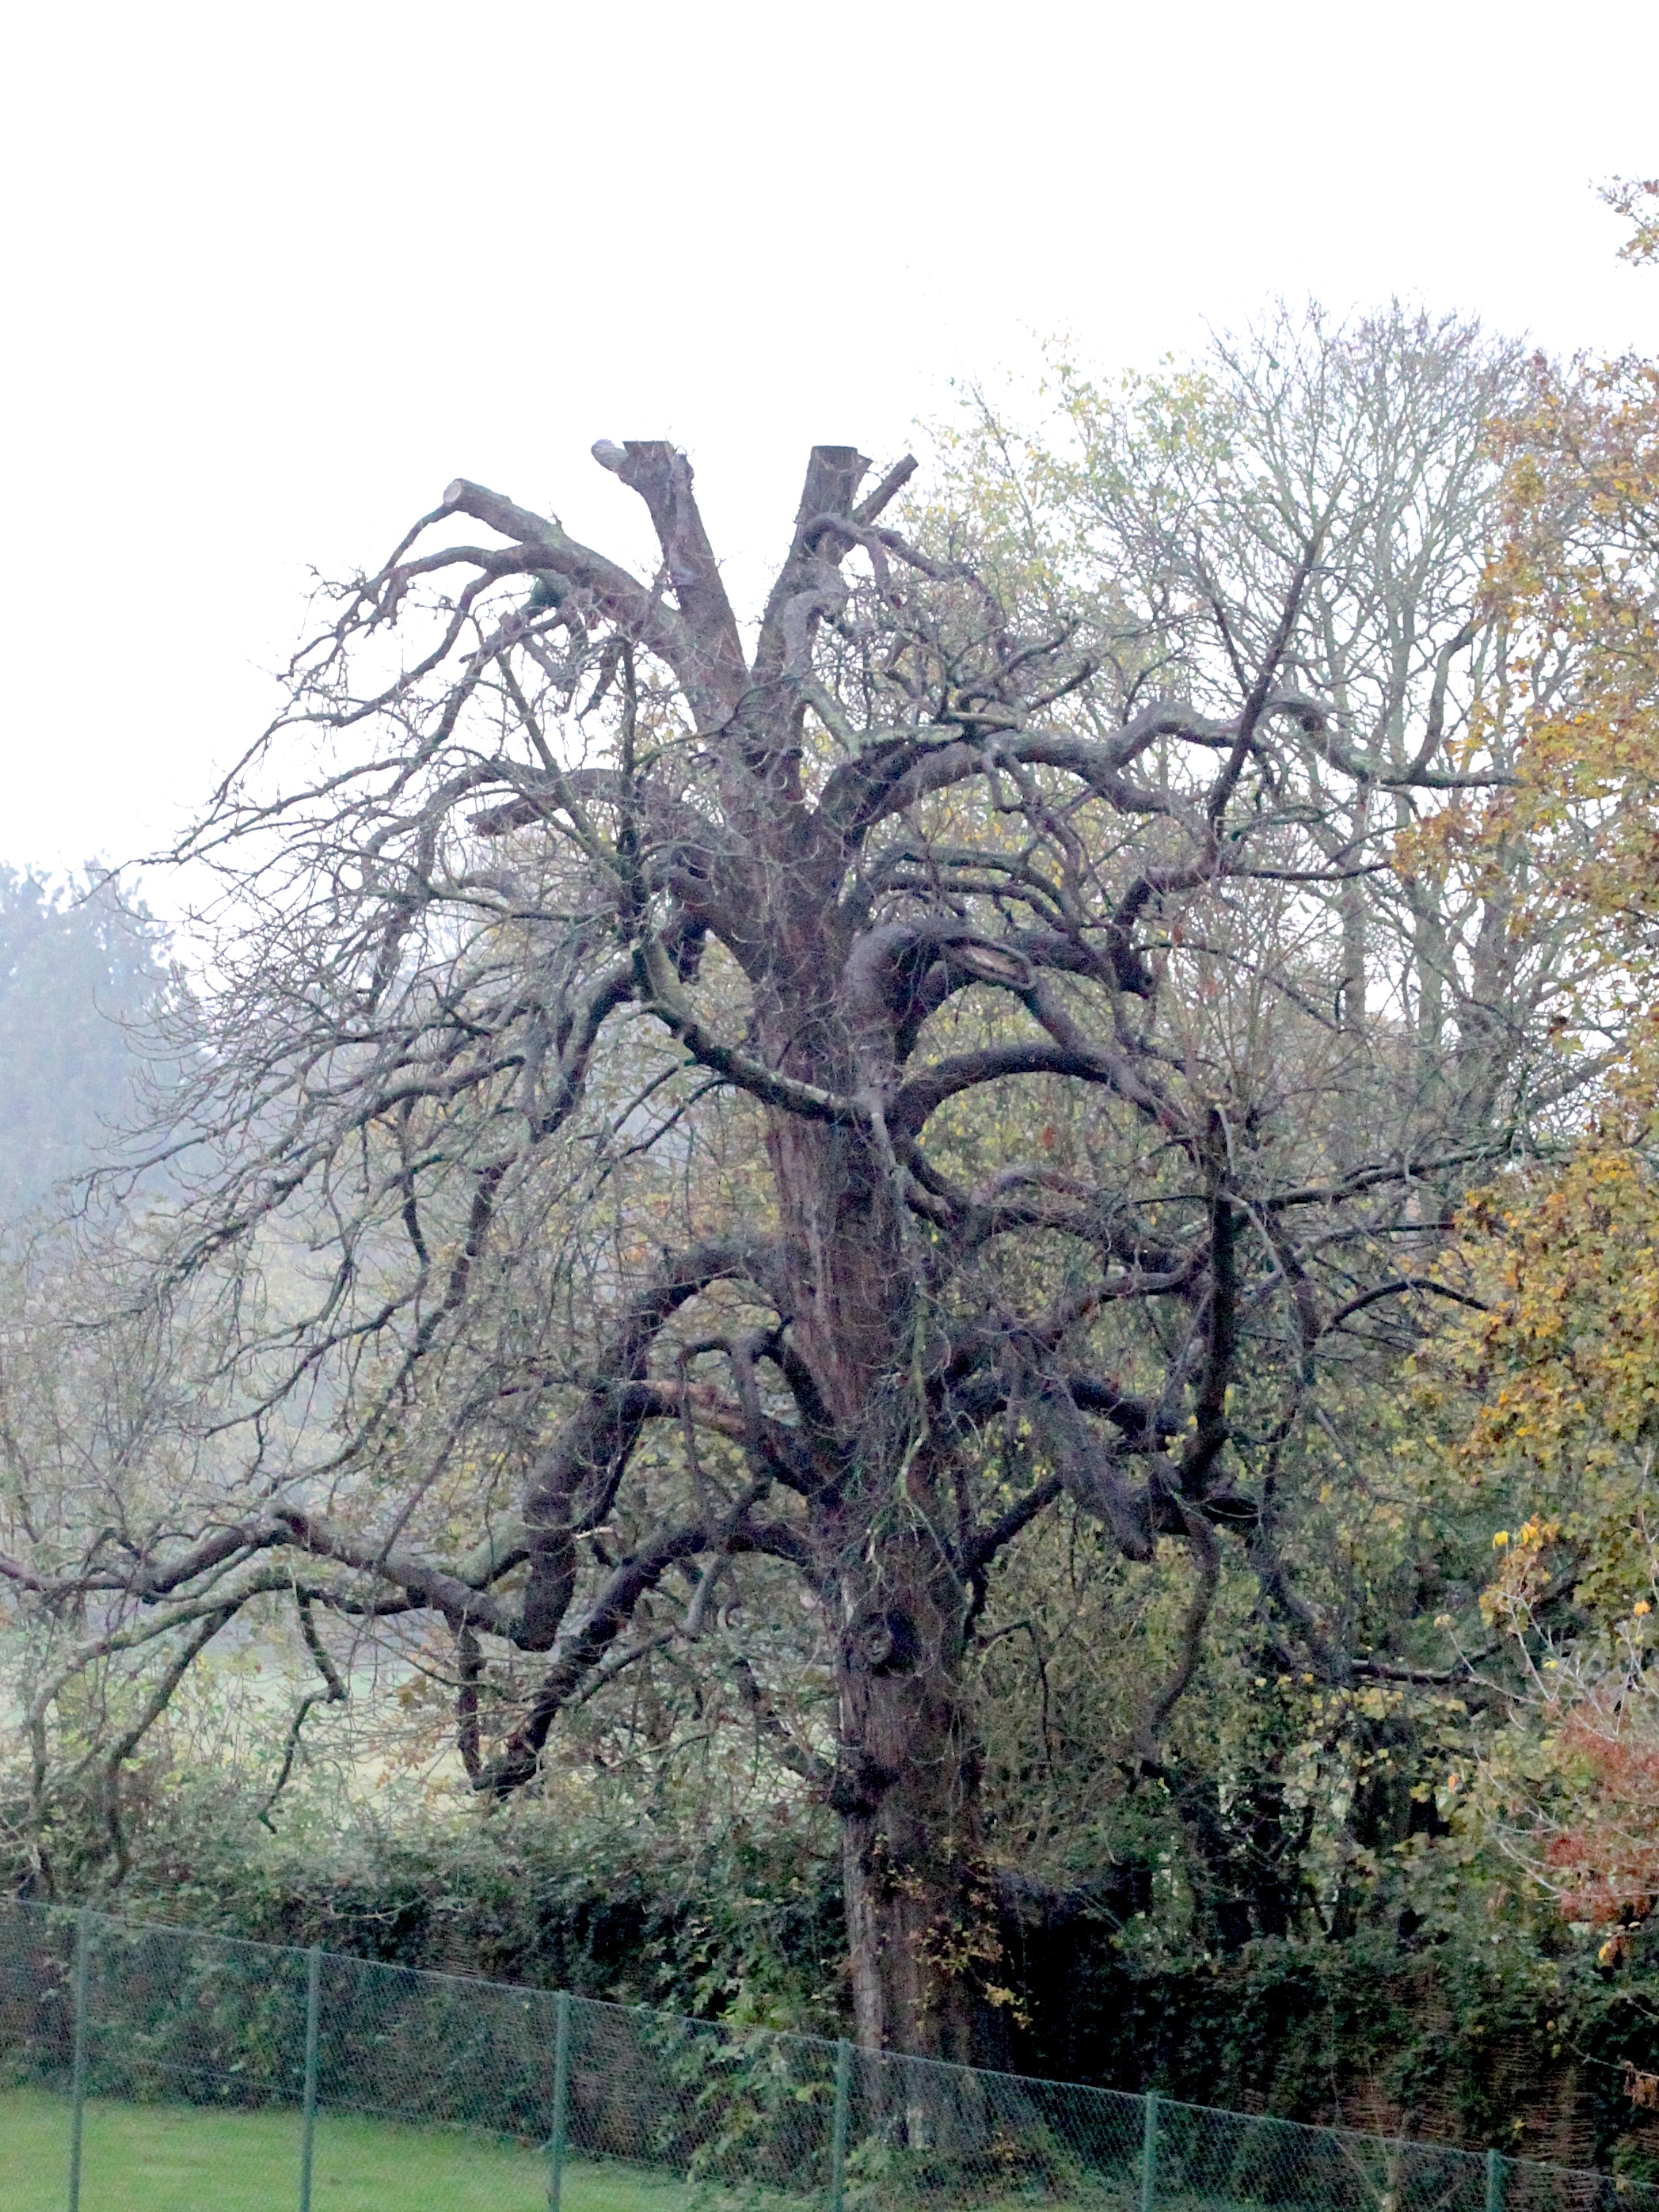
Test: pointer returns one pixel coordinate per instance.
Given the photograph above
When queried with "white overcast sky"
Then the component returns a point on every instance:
(274, 273)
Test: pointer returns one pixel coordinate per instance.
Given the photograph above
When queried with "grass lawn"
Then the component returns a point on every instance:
(172, 2158)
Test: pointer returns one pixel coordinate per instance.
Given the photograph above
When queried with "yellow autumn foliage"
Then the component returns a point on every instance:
(1548, 1401)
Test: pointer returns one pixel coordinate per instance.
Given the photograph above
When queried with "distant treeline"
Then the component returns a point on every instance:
(81, 975)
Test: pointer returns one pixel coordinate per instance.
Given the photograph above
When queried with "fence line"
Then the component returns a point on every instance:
(124, 2015)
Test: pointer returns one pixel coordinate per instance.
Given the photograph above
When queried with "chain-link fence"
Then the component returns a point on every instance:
(157, 2068)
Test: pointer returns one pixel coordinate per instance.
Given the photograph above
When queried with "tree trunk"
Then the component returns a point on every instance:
(921, 1931)
(921, 1928)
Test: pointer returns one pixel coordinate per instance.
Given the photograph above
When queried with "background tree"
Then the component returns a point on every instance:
(80, 975)
(1181, 504)
(1463, 975)
(1547, 1403)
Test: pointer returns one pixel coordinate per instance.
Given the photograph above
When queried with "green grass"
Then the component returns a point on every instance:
(181, 2157)
(174, 2158)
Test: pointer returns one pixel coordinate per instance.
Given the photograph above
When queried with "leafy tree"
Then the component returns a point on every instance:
(1561, 1372)
(1548, 1402)
(1570, 1785)
(1637, 199)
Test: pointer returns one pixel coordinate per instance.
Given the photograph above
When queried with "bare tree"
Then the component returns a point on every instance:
(694, 1117)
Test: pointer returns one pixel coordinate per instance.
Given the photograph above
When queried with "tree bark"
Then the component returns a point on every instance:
(907, 1772)
(921, 1930)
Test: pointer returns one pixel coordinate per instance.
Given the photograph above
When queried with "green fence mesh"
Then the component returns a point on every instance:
(150, 2067)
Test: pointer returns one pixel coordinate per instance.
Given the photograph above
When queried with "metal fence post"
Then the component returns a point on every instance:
(78, 2067)
(1494, 2181)
(838, 2130)
(560, 2098)
(1149, 2152)
(313, 2026)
